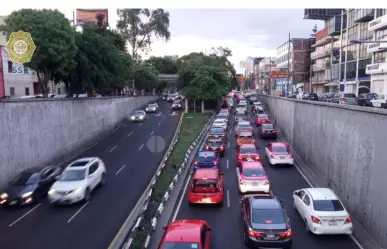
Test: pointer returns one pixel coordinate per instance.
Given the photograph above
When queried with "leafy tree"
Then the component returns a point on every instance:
(314, 31)
(146, 77)
(138, 26)
(54, 39)
(163, 65)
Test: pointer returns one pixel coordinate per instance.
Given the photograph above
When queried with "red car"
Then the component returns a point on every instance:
(262, 119)
(187, 234)
(206, 187)
(247, 152)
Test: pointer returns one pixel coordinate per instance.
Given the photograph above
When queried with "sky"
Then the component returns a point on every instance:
(247, 32)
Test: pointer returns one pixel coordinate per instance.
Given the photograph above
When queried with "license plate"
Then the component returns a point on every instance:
(255, 184)
(12, 202)
(214, 148)
(206, 200)
(282, 157)
(332, 223)
(271, 237)
(250, 159)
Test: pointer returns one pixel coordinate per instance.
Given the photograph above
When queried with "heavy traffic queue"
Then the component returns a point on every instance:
(266, 223)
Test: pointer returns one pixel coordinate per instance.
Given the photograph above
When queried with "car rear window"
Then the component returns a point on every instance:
(253, 172)
(215, 142)
(327, 205)
(244, 126)
(216, 131)
(240, 115)
(280, 149)
(246, 137)
(176, 102)
(349, 95)
(246, 150)
(205, 184)
(263, 116)
(267, 127)
(268, 216)
(180, 245)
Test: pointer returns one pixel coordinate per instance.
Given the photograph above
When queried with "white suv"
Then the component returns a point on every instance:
(77, 181)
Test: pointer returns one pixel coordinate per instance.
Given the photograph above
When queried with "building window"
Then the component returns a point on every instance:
(362, 67)
(352, 33)
(380, 34)
(351, 70)
(380, 57)
(363, 51)
(342, 71)
(364, 30)
(12, 91)
(10, 66)
(27, 91)
(380, 12)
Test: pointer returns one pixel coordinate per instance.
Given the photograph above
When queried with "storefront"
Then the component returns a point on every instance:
(378, 77)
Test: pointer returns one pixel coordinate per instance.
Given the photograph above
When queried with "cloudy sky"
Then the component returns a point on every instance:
(246, 32)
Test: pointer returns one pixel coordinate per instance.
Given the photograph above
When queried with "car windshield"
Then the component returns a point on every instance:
(253, 172)
(247, 150)
(138, 113)
(327, 205)
(180, 245)
(219, 121)
(216, 131)
(73, 175)
(280, 149)
(268, 216)
(151, 105)
(26, 179)
(267, 127)
(176, 102)
(171, 96)
(263, 116)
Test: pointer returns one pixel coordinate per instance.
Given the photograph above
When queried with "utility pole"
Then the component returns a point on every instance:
(288, 88)
(269, 76)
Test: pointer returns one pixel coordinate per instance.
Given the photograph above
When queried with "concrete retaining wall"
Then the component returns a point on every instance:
(345, 148)
(38, 132)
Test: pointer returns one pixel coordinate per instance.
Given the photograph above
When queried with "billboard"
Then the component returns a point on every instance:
(89, 16)
(279, 73)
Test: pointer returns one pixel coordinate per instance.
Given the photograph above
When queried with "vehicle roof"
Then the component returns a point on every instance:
(279, 144)
(206, 154)
(265, 203)
(184, 230)
(138, 111)
(81, 163)
(243, 123)
(206, 173)
(263, 114)
(219, 120)
(245, 133)
(252, 165)
(321, 193)
(247, 146)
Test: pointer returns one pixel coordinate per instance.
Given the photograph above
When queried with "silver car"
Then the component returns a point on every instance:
(344, 98)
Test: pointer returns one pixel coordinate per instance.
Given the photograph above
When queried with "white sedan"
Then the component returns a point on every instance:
(77, 181)
(279, 153)
(322, 211)
(220, 123)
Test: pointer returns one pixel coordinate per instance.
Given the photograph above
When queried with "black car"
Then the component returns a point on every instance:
(177, 105)
(365, 99)
(266, 223)
(267, 131)
(217, 145)
(311, 96)
(217, 133)
(29, 186)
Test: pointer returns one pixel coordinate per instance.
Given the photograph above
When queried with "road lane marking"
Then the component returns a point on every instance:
(228, 146)
(24, 215)
(230, 131)
(120, 169)
(227, 163)
(142, 145)
(228, 198)
(159, 124)
(113, 148)
(181, 198)
(130, 134)
(152, 133)
(77, 212)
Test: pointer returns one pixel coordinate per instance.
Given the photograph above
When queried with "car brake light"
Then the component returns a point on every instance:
(207, 147)
(348, 220)
(253, 141)
(240, 157)
(274, 131)
(196, 163)
(257, 158)
(286, 234)
(241, 181)
(343, 99)
(316, 220)
(254, 234)
(214, 162)
(267, 182)
(221, 147)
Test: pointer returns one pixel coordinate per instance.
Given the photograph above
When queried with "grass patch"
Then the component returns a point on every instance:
(190, 128)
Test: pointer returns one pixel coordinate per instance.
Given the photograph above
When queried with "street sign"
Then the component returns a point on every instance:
(20, 47)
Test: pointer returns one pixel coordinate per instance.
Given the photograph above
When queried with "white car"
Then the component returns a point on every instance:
(380, 101)
(322, 211)
(152, 108)
(220, 123)
(242, 102)
(77, 181)
(279, 153)
(252, 178)
(138, 116)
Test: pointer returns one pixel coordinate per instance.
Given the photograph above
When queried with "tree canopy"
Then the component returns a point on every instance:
(163, 65)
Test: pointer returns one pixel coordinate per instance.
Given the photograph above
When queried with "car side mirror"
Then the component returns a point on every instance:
(164, 228)
(57, 177)
(209, 229)
(295, 192)
(282, 201)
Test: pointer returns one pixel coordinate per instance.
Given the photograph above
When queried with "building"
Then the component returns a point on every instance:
(263, 70)
(3, 37)
(294, 56)
(378, 67)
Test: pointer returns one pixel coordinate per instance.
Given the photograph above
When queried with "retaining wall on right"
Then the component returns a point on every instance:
(346, 148)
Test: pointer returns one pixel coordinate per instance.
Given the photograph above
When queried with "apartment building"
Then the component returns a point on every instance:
(378, 67)
(263, 71)
(294, 56)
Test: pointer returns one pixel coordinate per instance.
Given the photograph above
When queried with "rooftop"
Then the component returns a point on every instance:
(252, 165)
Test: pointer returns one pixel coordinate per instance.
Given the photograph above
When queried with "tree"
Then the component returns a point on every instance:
(138, 26)
(314, 30)
(146, 77)
(163, 65)
(54, 39)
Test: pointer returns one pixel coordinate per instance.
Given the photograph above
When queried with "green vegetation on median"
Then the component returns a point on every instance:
(190, 129)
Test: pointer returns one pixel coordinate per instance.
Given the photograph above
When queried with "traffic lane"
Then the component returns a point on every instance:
(81, 224)
(108, 149)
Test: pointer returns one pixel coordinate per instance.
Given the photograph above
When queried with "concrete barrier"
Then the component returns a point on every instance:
(345, 148)
(39, 132)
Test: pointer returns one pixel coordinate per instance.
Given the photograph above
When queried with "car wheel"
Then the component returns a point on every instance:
(245, 239)
(37, 198)
(307, 227)
(103, 180)
(87, 196)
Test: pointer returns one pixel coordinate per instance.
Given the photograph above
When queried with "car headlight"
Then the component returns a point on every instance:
(4, 195)
(51, 191)
(141, 117)
(27, 194)
(132, 117)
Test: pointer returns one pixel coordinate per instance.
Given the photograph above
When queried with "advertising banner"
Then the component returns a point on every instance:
(279, 73)
(89, 16)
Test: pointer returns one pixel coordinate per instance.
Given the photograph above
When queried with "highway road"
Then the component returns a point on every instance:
(226, 222)
(93, 225)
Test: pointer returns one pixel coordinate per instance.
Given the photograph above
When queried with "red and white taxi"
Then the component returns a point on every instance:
(247, 152)
(279, 153)
(262, 119)
(252, 178)
(206, 187)
(193, 234)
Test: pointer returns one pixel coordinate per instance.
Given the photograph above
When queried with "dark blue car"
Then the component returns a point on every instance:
(206, 159)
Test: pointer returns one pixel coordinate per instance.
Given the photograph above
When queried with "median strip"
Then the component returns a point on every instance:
(191, 131)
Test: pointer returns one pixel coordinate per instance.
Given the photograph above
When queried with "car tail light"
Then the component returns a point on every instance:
(207, 147)
(240, 157)
(254, 234)
(348, 220)
(316, 220)
(263, 131)
(214, 162)
(241, 181)
(274, 131)
(222, 147)
(253, 141)
(267, 182)
(343, 99)
(286, 234)
(196, 163)
(271, 156)
(257, 158)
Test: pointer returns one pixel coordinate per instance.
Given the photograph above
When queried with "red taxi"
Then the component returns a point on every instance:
(247, 152)
(206, 187)
(245, 137)
(252, 178)
(186, 234)
(262, 119)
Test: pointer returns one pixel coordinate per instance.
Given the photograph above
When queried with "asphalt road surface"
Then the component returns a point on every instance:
(227, 223)
(130, 166)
